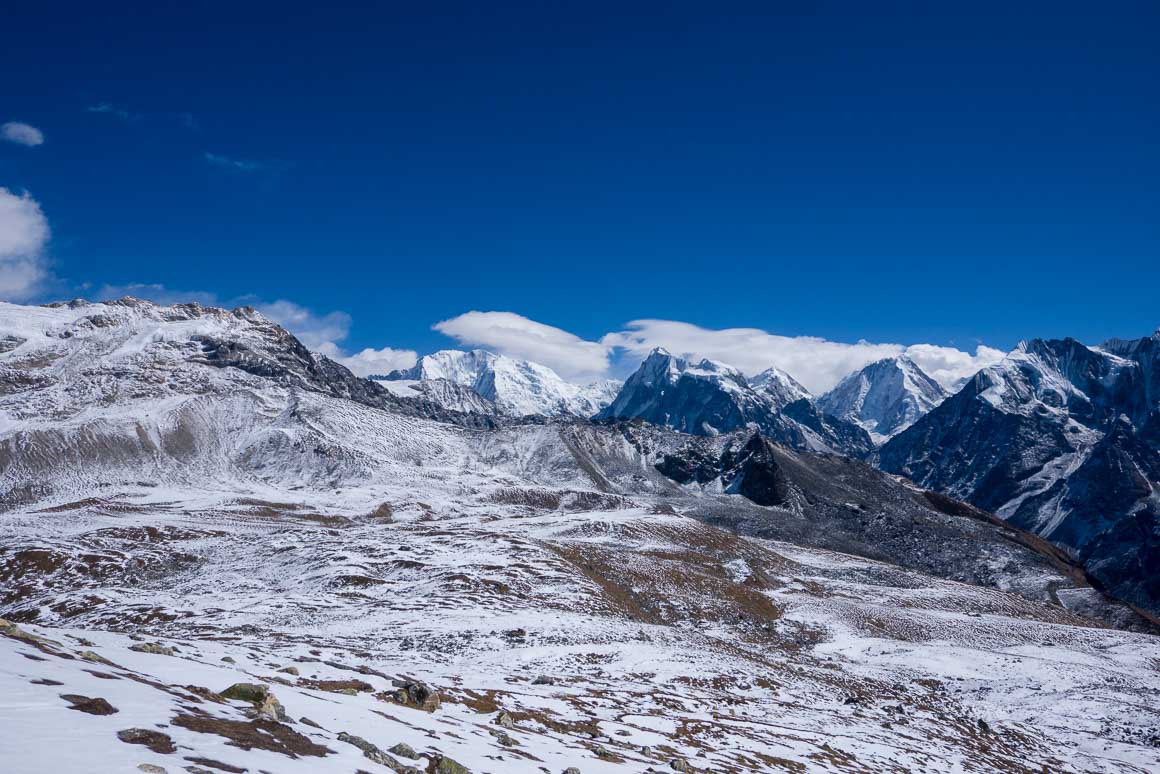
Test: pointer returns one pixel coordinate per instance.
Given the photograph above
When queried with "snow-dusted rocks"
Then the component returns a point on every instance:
(515, 387)
(709, 398)
(1056, 439)
(884, 398)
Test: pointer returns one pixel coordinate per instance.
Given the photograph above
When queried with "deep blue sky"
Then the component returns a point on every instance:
(894, 172)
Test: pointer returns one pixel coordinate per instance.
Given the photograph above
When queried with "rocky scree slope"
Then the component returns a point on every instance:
(184, 526)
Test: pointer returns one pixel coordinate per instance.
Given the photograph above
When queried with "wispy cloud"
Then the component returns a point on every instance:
(21, 133)
(109, 108)
(815, 362)
(24, 234)
(515, 335)
(242, 165)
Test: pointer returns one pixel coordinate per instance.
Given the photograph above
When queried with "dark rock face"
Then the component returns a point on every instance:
(709, 398)
(754, 473)
(846, 505)
(1062, 440)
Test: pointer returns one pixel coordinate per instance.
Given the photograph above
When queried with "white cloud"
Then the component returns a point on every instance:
(21, 134)
(320, 333)
(112, 110)
(517, 336)
(815, 362)
(242, 165)
(24, 233)
(380, 361)
(949, 366)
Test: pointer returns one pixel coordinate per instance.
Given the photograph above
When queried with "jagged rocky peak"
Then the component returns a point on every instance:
(703, 398)
(516, 387)
(885, 397)
(781, 388)
(1059, 438)
(707, 397)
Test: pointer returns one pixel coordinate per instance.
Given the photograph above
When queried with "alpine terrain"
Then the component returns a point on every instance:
(1059, 439)
(222, 552)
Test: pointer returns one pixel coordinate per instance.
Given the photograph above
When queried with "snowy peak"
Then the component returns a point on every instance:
(516, 387)
(707, 397)
(781, 388)
(885, 397)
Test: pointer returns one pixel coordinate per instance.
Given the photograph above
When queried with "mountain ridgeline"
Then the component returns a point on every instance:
(1059, 439)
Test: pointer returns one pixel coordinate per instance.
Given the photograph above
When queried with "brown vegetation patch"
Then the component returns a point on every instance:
(261, 734)
(89, 704)
(154, 740)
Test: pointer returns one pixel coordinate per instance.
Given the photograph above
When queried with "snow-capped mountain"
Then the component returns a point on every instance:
(781, 388)
(709, 398)
(885, 397)
(220, 550)
(1056, 439)
(516, 387)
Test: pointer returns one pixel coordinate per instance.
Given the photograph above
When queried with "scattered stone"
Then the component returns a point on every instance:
(290, 670)
(149, 768)
(404, 750)
(516, 634)
(12, 630)
(680, 764)
(308, 722)
(445, 765)
(544, 680)
(505, 740)
(46, 681)
(228, 660)
(571, 770)
(372, 753)
(91, 705)
(505, 719)
(984, 726)
(156, 648)
(416, 694)
(155, 740)
(254, 693)
(272, 709)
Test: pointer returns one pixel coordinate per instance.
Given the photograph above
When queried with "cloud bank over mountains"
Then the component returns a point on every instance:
(815, 362)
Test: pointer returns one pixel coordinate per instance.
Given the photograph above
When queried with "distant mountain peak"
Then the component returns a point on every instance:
(884, 397)
(516, 387)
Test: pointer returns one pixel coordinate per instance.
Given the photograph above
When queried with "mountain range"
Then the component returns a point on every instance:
(221, 551)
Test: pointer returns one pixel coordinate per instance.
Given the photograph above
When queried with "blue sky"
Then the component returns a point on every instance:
(889, 172)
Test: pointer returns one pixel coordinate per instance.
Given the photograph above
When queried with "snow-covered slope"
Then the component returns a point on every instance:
(885, 397)
(187, 504)
(1056, 439)
(516, 387)
(709, 398)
